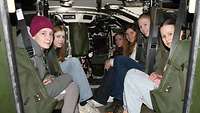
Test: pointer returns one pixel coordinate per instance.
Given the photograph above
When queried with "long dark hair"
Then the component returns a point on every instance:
(168, 21)
(129, 47)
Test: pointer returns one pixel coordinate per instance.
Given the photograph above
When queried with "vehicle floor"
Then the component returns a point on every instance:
(102, 109)
(105, 110)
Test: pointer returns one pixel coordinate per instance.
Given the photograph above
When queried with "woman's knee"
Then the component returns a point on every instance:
(73, 89)
(120, 58)
(74, 59)
(134, 75)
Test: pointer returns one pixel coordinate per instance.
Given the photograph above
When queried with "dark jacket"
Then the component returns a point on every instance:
(59, 83)
(34, 94)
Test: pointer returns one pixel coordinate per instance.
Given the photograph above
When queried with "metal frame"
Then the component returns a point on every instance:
(191, 74)
(11, 59)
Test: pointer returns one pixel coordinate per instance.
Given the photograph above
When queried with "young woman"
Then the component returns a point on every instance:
(60, 87)
(121, 47)
(120, 41)
(71, 65)
(137, 84)
(144, 26)
(130, 47)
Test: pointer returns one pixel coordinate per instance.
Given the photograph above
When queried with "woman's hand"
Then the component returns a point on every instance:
(48, 80)
(156, 78)
(107, 64)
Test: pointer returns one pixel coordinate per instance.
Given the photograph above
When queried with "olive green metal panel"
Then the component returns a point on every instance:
(79, 39)
(196, 88)
(6, 95)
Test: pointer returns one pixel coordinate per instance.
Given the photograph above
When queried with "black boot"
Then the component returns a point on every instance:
(118, 108)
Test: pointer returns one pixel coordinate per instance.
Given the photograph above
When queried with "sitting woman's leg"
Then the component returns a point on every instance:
(71, 99)
(121, 66)
(102, 94)
(137, 87)
(70, 96)
(73, 67)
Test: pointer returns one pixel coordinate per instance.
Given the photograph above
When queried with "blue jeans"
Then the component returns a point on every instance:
(73, 67)
(102, 94)
(121, 66)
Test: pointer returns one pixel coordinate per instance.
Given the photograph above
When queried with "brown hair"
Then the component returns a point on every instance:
(129, 46)
(120, 33)
(61, 52)
(144, 15)
(120, 50)
(168, 21)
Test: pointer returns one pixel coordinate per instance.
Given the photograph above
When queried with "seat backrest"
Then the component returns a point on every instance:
(79, 39)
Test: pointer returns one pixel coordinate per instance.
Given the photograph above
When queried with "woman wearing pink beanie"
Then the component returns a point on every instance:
(59, 86)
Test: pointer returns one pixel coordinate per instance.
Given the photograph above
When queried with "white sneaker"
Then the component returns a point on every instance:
(110, 99)
(88, 109)
(94, 103)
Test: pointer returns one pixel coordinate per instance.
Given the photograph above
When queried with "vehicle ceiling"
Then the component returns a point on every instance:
(29, 4)
(129, 9)
(92, 3)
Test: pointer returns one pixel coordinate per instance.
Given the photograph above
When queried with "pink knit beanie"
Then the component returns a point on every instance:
(38, 23)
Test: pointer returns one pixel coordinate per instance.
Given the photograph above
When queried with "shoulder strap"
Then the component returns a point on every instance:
(180, 21)
(138, 48)
(24, 31)
(152, 41)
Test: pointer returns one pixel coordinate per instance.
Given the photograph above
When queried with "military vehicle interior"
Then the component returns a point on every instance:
(97, 21)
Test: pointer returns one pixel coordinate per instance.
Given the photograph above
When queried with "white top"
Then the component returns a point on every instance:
(133, 54)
